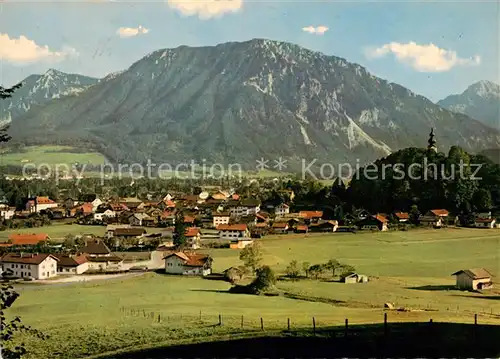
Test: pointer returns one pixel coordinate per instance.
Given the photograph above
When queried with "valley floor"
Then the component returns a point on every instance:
(410, 269)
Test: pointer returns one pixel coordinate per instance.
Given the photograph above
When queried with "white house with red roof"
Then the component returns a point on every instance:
(281, 210)
(188, 264)
(40, 204)
(29, 265)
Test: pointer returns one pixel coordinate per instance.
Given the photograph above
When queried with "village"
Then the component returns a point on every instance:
(220, 219)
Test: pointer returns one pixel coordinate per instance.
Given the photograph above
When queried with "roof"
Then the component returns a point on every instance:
(221, 214)
(485, 220)
(95, 246)
(380, 217)
(105, 259)
(44, 200)
(71, 260)
(191, 260)
(129, 232)
(402, 215)
(27, 239)
(302, 227)
(188, 219)
(261, 225)
(311, 214)
(26, 258)
(283, 205)
(280, 224)
(440, 212)
(232, 227)
(475, 273)
(192, 232)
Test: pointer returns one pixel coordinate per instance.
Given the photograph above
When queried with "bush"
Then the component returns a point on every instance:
(293, 270)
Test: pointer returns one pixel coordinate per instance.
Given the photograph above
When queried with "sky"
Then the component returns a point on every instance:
(433, 48)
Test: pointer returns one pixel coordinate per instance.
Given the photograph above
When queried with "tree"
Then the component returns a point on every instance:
(264, 281)
(316, 270)
(251, 256)
(4, 94)
(346, 269)
(180, 230)
(305, 267)
(332, 265)
(293, 269)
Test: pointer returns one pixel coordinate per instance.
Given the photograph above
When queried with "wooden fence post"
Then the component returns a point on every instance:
(200, 315)
(241, 322)
(159, 318)
(346, 327)
(475, 319)
(288, 324)
(261, 323)
(314, 325)
(220, 320)
(385, 324)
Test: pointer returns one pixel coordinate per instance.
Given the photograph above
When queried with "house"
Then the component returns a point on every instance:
(280, 227)
(301, 228)
(39, 204)
(7, 212)
(245, 208)
(30, 265)
(324, 226)
(129, 232)
(188, 264)
(219, 195)
(193, 237)
(69, 203)
(434, 218)
(402, 217)
(110, 229)
(104, 215)
(220, 218)
(28, 239)
(485, 222)
(311, 216)
(375, 222)
(96, 203)
(189, 220)
(102, 263)
(354, 278)
(233, 231)
(95, 248)
(140, 219)
(281, 210)
(72, 264)
(57, 213)
(84, 209)
(473, 279)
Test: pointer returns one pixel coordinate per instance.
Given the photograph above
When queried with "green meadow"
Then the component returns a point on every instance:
(410, 269)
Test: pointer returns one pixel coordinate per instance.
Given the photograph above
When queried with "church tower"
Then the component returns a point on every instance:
(432, 142)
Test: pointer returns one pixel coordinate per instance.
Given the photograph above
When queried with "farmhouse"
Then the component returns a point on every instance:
(324, 226)
(473, 279)
(281, 210)
(95, 248)
(102, 215)
(129, 232)
(220, 218)
(280, 227)
(311, 216)
(354, 278)
(29, 265)
(7, 212)
(485, 222)
(188, 264)
(233, 231)
(301, 228)
(402, 217)
(375, 222)
(245, 208)
(193, 237)
(138, 219)
(40, 204)
(434, 218)
(72, 264)
(240, 243)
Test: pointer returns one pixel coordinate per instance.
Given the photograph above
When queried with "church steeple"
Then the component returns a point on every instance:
(432, 142)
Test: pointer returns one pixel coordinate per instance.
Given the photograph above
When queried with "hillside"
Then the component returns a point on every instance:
(41, 89)
(480, 101)
(238, 102)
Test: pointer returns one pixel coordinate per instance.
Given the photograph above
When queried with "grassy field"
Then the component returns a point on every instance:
(412, 269)
(50, 155)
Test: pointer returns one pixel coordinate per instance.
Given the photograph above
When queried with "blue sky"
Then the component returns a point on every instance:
(434, 49)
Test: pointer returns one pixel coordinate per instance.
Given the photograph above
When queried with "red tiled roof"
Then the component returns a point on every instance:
(96, 246)
(440, 212)
(302, 227)
(188, 219)
(380, 217)
(44, 200)
(261, 225)
(311, 214)
(192, 232)
(235, 196)
(484, 220)
(402, 215)
(20, 239)
(27, 258)
(232, 227)
(191, 260)
(280, 224)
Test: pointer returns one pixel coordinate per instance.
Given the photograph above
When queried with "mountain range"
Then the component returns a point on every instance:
(40, 89)
(481, 101)
(241, 101)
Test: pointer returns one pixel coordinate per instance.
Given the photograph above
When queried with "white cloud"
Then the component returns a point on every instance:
(318, 30)
(24, 51)
(205, 9)
(131, 31)
(423, 58)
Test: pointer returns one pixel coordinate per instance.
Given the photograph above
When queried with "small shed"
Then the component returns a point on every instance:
(354, 278)
(473, 279)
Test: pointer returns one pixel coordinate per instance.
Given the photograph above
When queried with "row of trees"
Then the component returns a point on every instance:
(295, 270)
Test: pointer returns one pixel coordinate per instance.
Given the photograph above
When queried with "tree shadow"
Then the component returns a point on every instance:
(434, 287)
